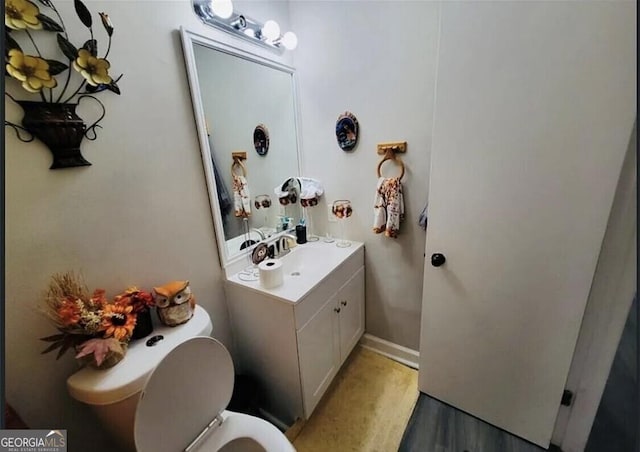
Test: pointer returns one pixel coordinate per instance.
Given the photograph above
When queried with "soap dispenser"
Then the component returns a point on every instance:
(301, 232)
(284, 223)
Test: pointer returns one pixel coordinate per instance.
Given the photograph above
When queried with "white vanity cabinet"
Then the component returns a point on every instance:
(295, 348)
(326, 340)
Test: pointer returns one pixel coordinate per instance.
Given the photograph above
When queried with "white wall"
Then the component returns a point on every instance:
(377, 60)
(140, 215)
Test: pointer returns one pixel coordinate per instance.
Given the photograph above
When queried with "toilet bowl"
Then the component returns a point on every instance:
(114, 394)
(182, 406)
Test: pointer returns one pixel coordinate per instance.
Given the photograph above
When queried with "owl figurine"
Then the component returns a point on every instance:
(174, 302)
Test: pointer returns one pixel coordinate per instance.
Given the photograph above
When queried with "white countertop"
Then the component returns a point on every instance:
(314, 261)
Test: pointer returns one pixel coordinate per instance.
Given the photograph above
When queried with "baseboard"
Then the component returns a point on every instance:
(396, 352)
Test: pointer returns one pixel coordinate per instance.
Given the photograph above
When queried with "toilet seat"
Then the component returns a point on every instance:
(238, 425)
(185, 393)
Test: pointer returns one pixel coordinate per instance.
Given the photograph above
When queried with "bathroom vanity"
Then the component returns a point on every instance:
(294, 338)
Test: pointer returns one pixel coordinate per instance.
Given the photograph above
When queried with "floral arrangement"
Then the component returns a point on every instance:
(98, 329)
(37, 73)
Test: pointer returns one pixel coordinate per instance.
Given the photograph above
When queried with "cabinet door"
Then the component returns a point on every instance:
(319, 353)
(351, 304)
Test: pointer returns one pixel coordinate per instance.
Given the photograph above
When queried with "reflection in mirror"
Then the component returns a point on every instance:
(232, 91)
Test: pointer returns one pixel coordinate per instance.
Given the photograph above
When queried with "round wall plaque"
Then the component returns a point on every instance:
(261, 139)
(347, 131)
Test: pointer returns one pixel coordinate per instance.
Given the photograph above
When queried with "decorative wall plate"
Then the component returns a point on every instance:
(261, 139)
(347, 131)
(260, 253)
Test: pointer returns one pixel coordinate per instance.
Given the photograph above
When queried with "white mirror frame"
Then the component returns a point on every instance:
(231, 264)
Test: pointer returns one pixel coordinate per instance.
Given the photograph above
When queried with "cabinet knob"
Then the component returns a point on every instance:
(337, 310)
(343, 302)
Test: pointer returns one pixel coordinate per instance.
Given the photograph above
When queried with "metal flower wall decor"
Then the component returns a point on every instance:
(55, 85)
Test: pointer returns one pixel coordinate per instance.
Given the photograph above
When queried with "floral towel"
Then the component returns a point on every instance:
(241, 196)
(388, 208)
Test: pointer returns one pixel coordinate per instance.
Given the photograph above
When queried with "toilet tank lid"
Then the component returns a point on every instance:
(103, 387)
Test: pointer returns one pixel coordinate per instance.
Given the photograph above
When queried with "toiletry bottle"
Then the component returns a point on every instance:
(287, 223)
(301, 234)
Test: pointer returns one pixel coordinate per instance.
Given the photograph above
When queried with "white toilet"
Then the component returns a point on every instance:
(171, 396)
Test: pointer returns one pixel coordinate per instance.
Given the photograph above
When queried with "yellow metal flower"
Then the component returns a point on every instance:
(118, 321)
(21, 14)
(95, 70)
(32, 71)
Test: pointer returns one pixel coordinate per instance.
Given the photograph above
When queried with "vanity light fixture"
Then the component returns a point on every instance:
(289, 40)
(221, 14)
(239, 23)
(271, 30)
(222, 8)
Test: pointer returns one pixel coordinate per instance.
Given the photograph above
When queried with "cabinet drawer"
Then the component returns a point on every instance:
(306, 308)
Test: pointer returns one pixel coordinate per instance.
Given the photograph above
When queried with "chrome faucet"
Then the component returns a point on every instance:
(281, 245)
(284, 242)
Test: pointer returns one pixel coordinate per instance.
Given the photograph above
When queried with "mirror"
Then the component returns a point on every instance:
(235, 93)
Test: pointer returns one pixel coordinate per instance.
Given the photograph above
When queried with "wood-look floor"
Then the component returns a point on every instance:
(615, 427)
(437, 427)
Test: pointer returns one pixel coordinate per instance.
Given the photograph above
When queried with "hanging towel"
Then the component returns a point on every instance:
(310, 191)
(422, 221)
(241, 196)
(223, 193)
(388, 208)
(284, 188)
(286, 192)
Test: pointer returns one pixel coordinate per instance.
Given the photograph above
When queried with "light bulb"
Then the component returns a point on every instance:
(290, 40)
(250, 32)
(222, 8)
(271, 30)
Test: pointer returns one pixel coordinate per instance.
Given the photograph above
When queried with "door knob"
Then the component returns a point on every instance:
(438, 259)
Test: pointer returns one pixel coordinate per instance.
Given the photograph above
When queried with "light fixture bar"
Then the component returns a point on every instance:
(238, 25)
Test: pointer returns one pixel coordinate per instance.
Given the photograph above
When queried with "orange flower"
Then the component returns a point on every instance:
(142, 301)
(118, 321)
(139, 299)
(68, 313)
(99, 298)
(122, 300)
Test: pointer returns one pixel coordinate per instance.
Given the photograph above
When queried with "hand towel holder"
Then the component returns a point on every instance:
(238, 157)
(389, 150)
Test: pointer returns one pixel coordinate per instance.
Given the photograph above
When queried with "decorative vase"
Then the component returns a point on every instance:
(59, 127)
(144, 325)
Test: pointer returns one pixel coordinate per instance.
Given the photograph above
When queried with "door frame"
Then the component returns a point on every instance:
(612, 291)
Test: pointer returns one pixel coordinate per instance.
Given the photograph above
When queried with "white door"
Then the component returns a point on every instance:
(534, 108)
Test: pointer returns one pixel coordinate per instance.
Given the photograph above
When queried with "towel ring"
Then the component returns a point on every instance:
(238, 163)
(391, 156)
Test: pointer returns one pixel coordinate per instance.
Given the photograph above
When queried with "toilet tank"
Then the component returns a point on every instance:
(114, 392)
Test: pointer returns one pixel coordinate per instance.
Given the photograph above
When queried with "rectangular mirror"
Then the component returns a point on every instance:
(243, 103)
